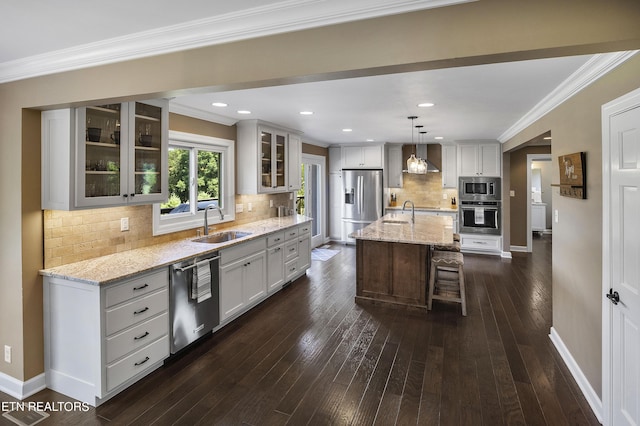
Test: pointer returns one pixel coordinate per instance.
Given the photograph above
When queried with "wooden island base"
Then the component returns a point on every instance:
(392, 273)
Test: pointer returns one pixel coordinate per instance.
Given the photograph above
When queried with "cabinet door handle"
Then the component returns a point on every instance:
(276, 240)
(133, 195)
(146, 333)
(125, 195)
(145, 309)
(142, 362)
(141, 287)
(277, 250)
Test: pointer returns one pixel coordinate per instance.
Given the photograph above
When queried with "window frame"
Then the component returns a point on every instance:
(190, 220)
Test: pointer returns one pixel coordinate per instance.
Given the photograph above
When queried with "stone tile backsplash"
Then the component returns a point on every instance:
(423, 190)
(85, 234)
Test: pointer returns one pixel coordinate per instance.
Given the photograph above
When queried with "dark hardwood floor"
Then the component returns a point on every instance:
(310, 355)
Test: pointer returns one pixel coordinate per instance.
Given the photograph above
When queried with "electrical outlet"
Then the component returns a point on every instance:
(444, 196)
(270, 203)
(249, 207)
(124, 224)
(239, 208)
(291, 195)
(512, 193)
(7, 354)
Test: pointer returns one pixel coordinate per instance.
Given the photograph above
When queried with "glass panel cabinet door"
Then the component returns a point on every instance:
(147, 150)
(101, 153)
(266, 155)
(281, 159)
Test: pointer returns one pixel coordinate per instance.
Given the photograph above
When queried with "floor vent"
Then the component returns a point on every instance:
(25, 418)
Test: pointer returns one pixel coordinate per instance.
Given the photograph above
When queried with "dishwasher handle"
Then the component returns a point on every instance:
(184, 268)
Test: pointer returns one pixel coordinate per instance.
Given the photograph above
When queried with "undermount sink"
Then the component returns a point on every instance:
(221, 237)
(394, 221)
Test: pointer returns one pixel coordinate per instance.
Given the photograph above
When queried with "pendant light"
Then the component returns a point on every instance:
(421, 168)
(412, 162)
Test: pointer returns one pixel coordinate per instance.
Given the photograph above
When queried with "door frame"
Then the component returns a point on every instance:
(617, 106)
(530, 159)
(321, 162)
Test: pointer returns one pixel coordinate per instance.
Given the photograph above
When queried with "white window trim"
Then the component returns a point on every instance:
(185, 221)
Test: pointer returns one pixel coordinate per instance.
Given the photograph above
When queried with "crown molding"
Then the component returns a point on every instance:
(188, 111)
(275, 18)
(592, 70)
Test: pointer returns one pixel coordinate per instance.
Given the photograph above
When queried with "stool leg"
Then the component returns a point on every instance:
(463, 295)
(432, 283)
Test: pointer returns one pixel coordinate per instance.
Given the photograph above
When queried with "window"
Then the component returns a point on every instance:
(200, 174)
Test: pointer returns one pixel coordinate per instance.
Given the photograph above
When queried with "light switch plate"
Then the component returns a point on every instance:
(444, 195)
(270, 203)
(556, 215)
(249, 207)
(124, 224)
(512, 193)
(7, 354)
(239, 208)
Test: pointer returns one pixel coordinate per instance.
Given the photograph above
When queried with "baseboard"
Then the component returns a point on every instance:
(21, 390)
(592, 397)
(518, 248)
(505, 255)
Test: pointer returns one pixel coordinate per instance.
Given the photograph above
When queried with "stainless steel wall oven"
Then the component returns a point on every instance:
(480, 210)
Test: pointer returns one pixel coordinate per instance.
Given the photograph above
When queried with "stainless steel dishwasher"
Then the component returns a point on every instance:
(194, 299)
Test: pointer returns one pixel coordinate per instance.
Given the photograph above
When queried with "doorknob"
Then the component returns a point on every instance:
(613, 296)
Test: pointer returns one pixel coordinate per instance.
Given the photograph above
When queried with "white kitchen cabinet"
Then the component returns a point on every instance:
(479, 159)
(266, 152)
(336, 199)
(105, 155)
(478, 243)
(335, 159)
(101, 339)
(275, 262)
(449, 166)
(304, 247)
(538, 217)
(394, 166)
(243, 277)
(363, 157)
(452, 214)
(295, 161)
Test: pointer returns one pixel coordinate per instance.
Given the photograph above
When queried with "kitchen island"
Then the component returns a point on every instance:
(392, 258)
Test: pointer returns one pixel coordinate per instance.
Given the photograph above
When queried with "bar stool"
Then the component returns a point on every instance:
(453, 247)
(456, 237)
(451, 289)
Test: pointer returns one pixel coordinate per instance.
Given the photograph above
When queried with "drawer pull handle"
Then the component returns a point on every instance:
(145, 309)
(141, 287)
(276, 240)
(292, 269)
(142, 362)
(146, 333)
(277, 250)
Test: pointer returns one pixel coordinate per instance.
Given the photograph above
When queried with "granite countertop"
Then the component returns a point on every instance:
(395, 228)
(425, 209)
(114, 267)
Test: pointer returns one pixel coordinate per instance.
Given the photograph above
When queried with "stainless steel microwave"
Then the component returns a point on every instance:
(476, 188)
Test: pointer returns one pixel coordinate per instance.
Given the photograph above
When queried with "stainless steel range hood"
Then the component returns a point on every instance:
(421, 152)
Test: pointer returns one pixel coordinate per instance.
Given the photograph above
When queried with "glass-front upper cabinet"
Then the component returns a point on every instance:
(273, 159)
(121, 153)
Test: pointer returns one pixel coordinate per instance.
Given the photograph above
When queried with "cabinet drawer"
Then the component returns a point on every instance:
(291, 250)
(133, 312)
(274, 239)
(136, 337)
(291, 234)
(138, 286)
(290, 269)
(303, 229)
(242, 250)
(137, 362)
(484, 243)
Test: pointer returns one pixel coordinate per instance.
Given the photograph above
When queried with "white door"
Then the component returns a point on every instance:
(311, 200)
(621, 265)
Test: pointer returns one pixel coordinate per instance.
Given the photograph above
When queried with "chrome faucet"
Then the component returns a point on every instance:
(206, 221)
(413, 210)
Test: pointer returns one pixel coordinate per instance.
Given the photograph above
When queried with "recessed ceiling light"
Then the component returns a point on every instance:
(369, 140)
(244, 111)
(347, 130)
(425, 105)
(306, 112)
(219, 104)
(547, 138)
(439, 138)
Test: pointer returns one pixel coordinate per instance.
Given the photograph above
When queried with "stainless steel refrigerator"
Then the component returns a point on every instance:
(362, 202)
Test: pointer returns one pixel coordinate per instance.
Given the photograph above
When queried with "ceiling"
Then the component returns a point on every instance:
(477, 102)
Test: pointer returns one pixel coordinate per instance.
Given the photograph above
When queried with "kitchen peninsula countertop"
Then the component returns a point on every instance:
(107, 269)
(397, 228)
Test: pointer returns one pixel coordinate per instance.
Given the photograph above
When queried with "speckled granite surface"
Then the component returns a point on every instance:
(422, 209)
(394, 228)
(107, 269)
